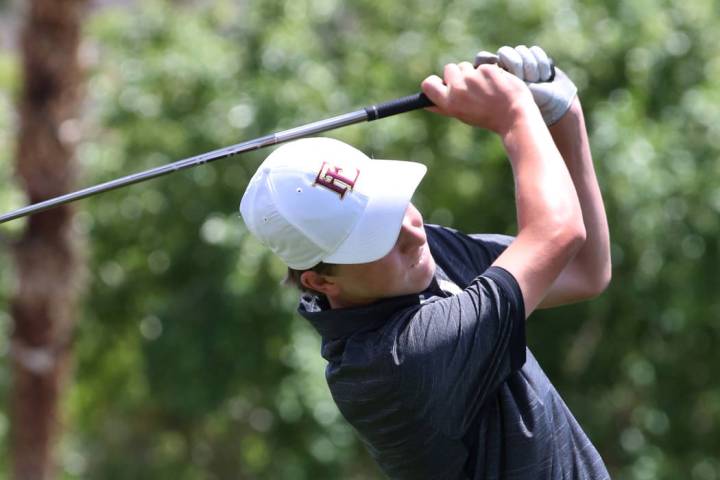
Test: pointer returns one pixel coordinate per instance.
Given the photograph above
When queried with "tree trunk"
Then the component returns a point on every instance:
(47, 257)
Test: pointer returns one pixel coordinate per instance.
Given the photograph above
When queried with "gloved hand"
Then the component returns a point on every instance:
(533, 66)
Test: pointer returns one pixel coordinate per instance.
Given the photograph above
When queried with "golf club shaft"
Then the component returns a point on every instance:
(373, 112)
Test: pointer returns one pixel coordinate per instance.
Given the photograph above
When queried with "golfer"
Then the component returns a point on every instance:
(423, 327)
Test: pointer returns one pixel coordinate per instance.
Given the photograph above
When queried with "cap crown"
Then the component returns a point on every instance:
(306, 198)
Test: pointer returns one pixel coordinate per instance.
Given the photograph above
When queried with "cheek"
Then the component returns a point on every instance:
(390, 273)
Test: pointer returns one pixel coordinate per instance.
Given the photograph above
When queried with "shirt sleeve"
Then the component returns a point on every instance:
(469, 254)
(455, 352)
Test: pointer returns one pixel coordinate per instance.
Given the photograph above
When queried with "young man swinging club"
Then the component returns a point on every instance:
(423, 326)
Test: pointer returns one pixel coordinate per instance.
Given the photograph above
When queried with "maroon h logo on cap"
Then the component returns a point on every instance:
(331, 178)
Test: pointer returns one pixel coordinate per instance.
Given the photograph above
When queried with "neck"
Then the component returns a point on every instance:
(341, 301)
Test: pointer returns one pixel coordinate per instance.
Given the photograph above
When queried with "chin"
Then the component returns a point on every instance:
(429, 276)
(425, 274)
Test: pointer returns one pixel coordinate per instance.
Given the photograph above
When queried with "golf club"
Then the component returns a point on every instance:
(373, 112)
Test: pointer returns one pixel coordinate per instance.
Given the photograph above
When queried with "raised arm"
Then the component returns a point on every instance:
(551, 229)
(589, 272)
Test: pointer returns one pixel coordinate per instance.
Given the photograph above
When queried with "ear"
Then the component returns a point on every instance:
(320, 283)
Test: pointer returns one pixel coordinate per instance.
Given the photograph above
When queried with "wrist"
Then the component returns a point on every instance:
(521, 115)
(574, 111)
(570, 122)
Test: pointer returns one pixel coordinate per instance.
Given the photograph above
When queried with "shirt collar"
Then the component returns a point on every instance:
(334, 323)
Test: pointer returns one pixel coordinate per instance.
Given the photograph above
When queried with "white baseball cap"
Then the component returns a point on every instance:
(320, 200)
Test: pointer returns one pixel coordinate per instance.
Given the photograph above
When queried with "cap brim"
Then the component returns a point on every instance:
(390, 185)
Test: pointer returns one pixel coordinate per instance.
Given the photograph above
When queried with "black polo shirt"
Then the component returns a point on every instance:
(440, 385)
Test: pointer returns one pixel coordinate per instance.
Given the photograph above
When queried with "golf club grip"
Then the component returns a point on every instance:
(414, 102)
(399, 105)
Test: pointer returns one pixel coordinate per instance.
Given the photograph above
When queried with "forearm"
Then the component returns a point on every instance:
(550, 227)
(590, 269)
(545, 194)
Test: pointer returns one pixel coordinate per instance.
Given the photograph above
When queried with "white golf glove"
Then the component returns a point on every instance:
(532, 65)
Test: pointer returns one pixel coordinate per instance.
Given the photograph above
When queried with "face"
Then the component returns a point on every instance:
(408, 268)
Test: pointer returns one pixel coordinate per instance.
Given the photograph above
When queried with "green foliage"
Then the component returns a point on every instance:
(190, 360)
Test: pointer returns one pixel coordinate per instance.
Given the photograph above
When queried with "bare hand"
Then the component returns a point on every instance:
(486, 97)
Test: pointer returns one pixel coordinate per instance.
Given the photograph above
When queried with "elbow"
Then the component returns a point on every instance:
(592, 277)
(596, 274)
(577, 234)
(599, 282)
(589, 287)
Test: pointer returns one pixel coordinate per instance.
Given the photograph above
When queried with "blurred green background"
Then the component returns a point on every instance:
(189, 360)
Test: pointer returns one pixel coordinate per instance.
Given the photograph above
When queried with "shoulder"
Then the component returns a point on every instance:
(448, 237)
(439, 233)
(463, 256)
(449, 242)
(489, 306)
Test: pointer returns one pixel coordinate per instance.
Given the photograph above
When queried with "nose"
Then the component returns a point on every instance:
(412, 233)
